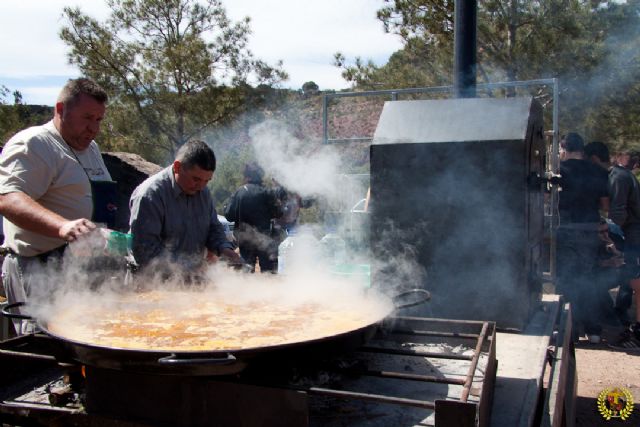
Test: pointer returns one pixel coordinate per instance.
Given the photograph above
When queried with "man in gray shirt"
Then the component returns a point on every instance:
(173, 220)
(46, 196)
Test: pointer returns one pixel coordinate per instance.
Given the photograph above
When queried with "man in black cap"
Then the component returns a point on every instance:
(584, 193)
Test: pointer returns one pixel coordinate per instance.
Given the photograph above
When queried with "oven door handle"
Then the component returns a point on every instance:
(175, 360)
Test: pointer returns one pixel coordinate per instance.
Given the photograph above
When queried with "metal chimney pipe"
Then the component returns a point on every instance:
(464, 56)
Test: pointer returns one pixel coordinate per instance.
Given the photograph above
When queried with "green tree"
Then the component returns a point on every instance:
(172, 67)
(15, 116)
(591, 46)
(517, 39)
(310, 88)
(607, 99)
(9, 119)
(426, 28)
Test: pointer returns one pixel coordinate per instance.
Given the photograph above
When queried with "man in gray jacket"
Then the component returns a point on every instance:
(173, 220)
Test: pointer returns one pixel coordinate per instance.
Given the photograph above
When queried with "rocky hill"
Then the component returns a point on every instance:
(348, 118)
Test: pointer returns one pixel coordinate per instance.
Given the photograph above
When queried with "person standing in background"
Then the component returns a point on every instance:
(252, 208)
(46, 196)
(625, 212)
(598, 153)
(584, 193)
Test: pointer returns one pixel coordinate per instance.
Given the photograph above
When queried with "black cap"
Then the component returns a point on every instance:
(598, 149)
(572, 142)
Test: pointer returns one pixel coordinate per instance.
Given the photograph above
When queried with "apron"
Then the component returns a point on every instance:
(105, 202)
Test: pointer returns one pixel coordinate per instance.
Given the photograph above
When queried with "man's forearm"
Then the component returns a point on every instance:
(26, 213)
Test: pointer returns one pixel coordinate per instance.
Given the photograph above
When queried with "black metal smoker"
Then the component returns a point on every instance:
(453, 177)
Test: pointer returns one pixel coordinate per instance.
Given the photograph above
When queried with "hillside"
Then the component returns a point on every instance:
(302, 117)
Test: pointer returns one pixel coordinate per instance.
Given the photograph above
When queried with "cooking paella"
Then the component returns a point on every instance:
(159, 320)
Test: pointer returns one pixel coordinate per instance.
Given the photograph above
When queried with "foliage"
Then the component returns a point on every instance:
(17, 116)
(227, 178)
(589, 45)
(611, 107)
(310, 88)
(172, 67)
(516, 40)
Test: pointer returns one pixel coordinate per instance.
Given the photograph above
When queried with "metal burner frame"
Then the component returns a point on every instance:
(460, 409)
(467, 401)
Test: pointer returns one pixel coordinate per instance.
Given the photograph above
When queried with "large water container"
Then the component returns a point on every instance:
(300, 251)
(284, 251)
(334, 249)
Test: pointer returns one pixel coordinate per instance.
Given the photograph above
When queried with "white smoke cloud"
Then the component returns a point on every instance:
(296, 164)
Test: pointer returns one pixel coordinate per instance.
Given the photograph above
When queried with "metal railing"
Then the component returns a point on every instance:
(394, 93)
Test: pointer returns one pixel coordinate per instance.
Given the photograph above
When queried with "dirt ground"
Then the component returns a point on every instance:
(601, 367)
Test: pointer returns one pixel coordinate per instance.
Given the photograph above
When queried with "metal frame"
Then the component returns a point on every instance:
(393, 96)
(5, 324)
(460, 410)
(559, 404)
(484, 338)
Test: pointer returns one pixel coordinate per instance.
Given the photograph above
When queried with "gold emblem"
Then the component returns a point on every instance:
(616, 402)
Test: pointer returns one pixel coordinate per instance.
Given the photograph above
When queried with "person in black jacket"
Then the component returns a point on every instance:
(252, 208)
(584, 193)
(598, 153)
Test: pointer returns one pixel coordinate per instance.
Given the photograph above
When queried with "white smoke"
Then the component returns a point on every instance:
(298, 165)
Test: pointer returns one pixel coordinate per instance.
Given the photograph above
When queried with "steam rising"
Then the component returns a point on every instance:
(299, 166)
(92, 276)
(77, 286)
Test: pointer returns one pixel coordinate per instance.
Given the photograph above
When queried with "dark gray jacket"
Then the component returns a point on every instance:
(254, 205)
(624, 192)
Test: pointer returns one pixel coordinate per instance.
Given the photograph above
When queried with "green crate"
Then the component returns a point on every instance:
(355, 272)
(119, 243)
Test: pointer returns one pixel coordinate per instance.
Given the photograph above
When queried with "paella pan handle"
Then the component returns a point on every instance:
(174, 360)
(420, 296)
(6, 313)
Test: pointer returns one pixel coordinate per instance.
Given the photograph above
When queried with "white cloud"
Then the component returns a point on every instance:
(304, 34)
(30, 42)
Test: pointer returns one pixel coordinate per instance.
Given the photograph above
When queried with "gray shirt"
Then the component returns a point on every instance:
(39, 163)
(171, 226)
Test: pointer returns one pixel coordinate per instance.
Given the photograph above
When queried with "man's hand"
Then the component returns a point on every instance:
(71, 230)
(231, 256)
(26, 213)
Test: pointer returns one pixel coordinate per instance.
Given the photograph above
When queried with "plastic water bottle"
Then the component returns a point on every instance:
(118, 243)
(284, 251)
(334, 249)
(298, 253)
(102, 241)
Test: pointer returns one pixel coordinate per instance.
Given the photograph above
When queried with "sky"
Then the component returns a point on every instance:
(304, 34)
